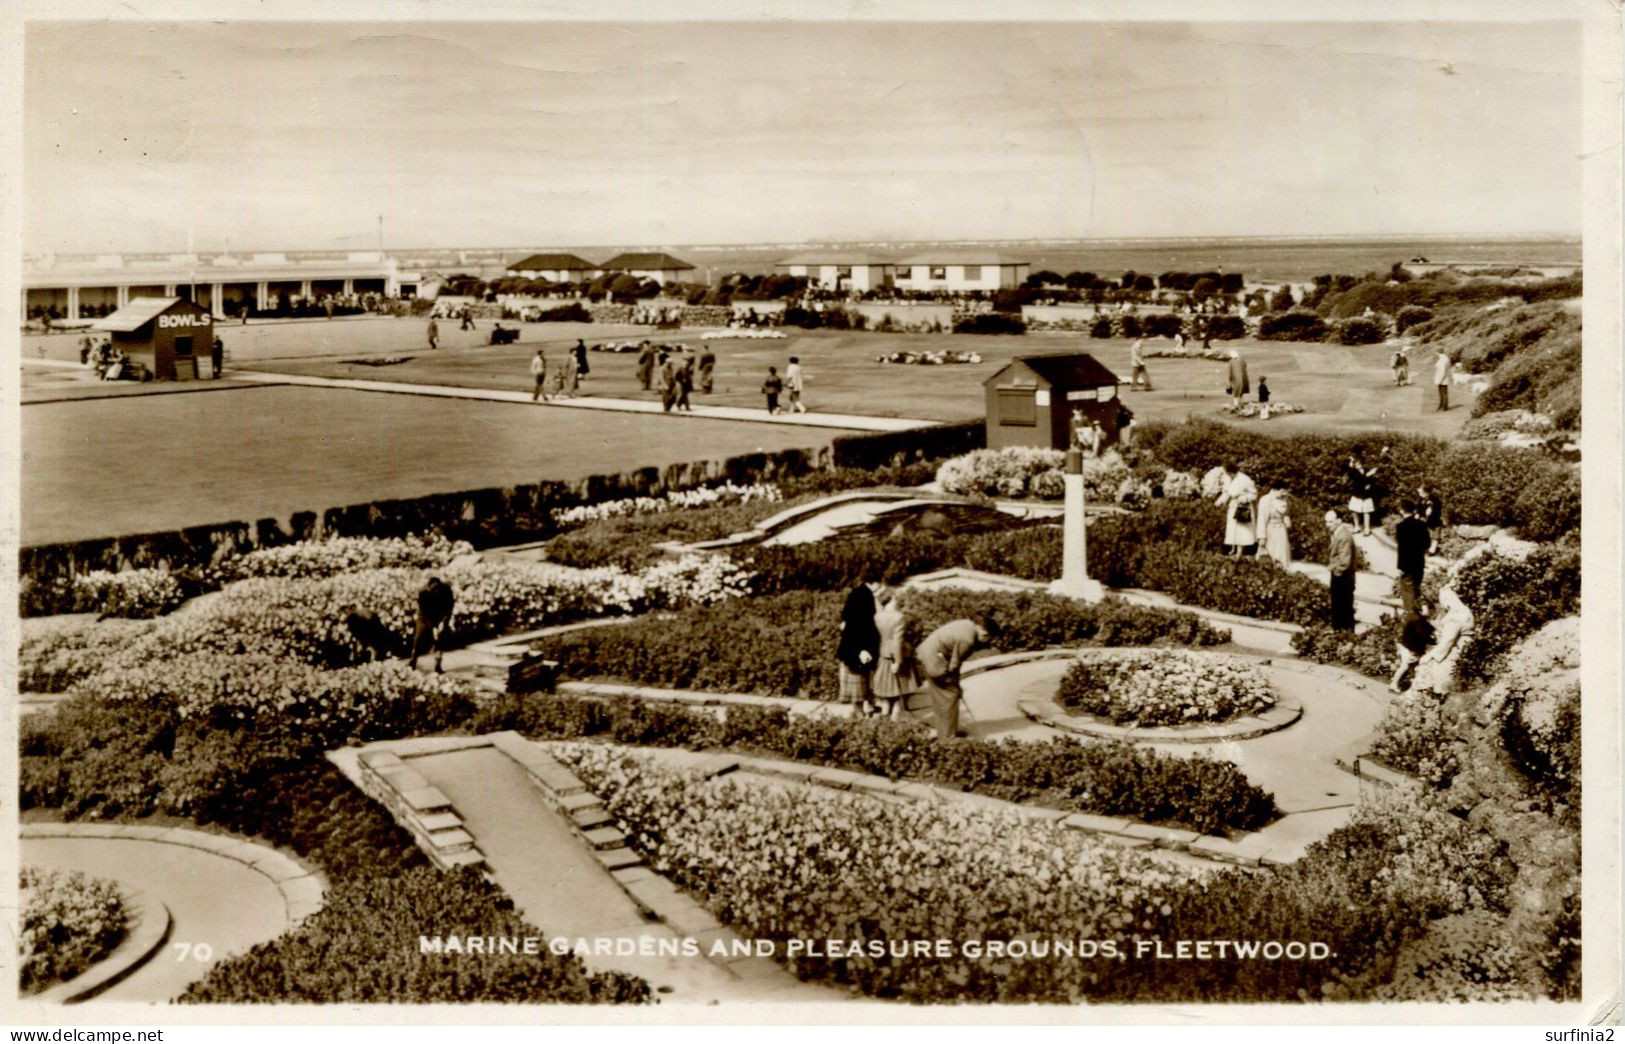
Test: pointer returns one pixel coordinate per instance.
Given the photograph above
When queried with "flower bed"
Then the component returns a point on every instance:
(1164, 687)
(784, 645)
(782, 863)
(1026, 471)
(134, 593)
(706, 496)
(1264, 411)
(743, 334)
(362, 947)
(69, 922)
(318, 559)
(947, 357)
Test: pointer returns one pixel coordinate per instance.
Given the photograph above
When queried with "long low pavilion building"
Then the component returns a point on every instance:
(91, 287)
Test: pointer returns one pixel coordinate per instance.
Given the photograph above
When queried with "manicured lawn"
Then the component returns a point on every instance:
(110, 467)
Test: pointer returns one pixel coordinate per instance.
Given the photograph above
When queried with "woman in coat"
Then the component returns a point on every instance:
(1360, 501)
(895, 677)
(1275, 526)
(859, 647)
(1239, 498)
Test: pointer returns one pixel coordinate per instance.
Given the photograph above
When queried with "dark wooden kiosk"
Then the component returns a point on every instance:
(1031, 401)
(170, 336)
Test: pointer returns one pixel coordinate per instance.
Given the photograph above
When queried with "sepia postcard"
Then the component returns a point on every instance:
(874, 513)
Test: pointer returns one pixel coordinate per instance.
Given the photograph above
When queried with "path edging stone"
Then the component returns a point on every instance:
(142, 941)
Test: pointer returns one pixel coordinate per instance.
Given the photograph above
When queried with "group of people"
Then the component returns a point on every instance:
(565, 379)
(792, 385)
(437, 604)
(879, 669)
(1444, 368)
(659, 370)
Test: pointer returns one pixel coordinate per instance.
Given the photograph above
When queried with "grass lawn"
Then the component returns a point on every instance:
(1342, 388)
(110, 467)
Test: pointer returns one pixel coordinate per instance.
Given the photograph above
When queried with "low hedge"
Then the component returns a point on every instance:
(1477, 484)
(1085, 776)
(362, 947)
(990, 323)
(784, 645)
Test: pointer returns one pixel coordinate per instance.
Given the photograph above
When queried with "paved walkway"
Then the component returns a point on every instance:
(560, 887)
(225, 895)
(844, 421)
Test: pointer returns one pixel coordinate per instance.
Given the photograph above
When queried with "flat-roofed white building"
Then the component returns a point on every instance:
(953, 271)
(840, 271)
(74, 287)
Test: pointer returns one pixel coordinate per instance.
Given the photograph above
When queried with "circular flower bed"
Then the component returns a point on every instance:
(70, 922)
(1163, 687)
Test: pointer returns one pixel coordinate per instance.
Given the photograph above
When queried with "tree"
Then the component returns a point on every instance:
(1128, 280)
(1144, 284)
(1080, 280)
(1282, 300)
(1043, 279)
(624, 285)
(1204, 289)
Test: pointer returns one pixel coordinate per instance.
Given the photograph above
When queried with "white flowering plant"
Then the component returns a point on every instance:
(1164, 686)
(133, 593)
(317, 559)
(69, 921)
(704, 496)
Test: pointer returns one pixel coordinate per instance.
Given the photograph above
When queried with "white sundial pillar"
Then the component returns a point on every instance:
(1074, 581)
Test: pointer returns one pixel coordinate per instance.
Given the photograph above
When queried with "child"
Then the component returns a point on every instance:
(771, 388)
(1414, 638)
(1263, 390)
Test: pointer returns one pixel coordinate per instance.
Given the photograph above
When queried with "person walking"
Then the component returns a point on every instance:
(217, 357)
(1358, 477)
(1275, 527)
(434, 334)
(1340, 560)
(1414, 541)
(571, 378)
(1415, 635)
(708, 366)
(538, 374)
(436, 604)
(1441, 378)
(468, 319)
(895, 677)
(1136, 357)
(794, 385)
(940, 657)
(1236, 373)
(646, 364)
(1263, 391)
(1429, 508)
(1401, 363)
(772, 387)
(667, 383)
(685, 385)
(1436, 670)
(583, 367)
(1239, 498)
(859, 647)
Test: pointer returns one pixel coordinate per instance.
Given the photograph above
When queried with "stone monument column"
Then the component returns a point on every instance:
(1074, 581)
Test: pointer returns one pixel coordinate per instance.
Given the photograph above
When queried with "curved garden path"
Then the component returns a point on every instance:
(223, 893)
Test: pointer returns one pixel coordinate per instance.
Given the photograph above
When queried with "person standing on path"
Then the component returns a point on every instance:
(1136, 357)
(1275, 527)
(1414, 541)
(436, 603)
(708, 366)
(583, 368)
(772, 387)
(646, 364)
(434, 334)
(1429, 509)
(794, 385)
(1239, 498)
(1401, 363)
(217, 357)
(1436, 670)
(1236, 372)
(895, 677)
(468, 319)
(1340, 560)
(941, 657)
(859, 648)
(571, 379)
(1360, 502)
(538, 374)
(1441, 378)
(668, 383)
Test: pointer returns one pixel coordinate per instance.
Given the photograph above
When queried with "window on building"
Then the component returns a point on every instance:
(1018, 406)
(183, 347)
(973, 272)
(905, 272)
(843, 272)
(939, 271)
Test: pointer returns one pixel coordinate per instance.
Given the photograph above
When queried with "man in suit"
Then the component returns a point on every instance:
(940, 658)
(1341, 562)
(1414, 541)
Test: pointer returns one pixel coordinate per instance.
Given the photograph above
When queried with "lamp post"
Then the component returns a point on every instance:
(1074, 581)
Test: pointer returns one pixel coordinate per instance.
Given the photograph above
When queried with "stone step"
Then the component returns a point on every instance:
(604, 838)
(587, 818)
(467, 857)
(426, 800)
(451, 841)
(440, 821)
(580, 802)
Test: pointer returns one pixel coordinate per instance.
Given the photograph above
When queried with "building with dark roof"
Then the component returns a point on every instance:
(1036, 400)
(169, 337)
(662, 268)
(558, 268)
(835, 270)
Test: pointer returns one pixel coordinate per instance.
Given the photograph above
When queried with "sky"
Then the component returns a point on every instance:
(300, 135)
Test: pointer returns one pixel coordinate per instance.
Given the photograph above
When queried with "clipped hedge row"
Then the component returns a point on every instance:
(784, 645)
(1477, 484)
(1104, 778)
